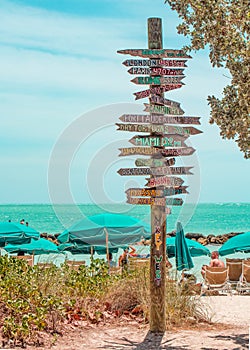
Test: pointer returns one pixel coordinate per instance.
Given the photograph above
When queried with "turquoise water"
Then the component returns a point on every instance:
(204, 218)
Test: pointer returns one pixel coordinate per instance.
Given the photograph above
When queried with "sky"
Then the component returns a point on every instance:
(63, 87)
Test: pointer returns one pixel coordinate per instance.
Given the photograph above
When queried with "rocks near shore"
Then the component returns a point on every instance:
(210, 239)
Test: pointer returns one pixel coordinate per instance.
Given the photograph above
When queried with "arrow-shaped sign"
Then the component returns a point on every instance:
(146, 200)
(163, 109)
(154, 171)
(163, 101)
(159, 129)
(174, 152)
(152, 192)
(159, 141)
(156, 90)
(171, 170)
(174, 201)
(145, 151)
(158, 119)
(155, 63)
(154, 162)
(157, 80)
(161, 53)
(156, 71)
(164, 181)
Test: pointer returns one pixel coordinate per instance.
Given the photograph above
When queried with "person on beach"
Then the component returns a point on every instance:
(111, 262)
(215, 262)
(22, 222)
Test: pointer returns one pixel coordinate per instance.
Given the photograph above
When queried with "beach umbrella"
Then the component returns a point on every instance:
(15, 233)
(239, 243)
(182, 254)
(196, 249)
(105, 232)
(35, 247)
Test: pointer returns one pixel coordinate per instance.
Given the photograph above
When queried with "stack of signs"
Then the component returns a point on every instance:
(162, 70)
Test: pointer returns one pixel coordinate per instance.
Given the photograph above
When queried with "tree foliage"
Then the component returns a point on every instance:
(224, 26)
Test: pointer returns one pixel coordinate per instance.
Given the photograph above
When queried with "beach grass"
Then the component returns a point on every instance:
(35, 300)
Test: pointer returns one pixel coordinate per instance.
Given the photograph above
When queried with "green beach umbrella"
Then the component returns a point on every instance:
(15, 233)
(104, 231)
(195, 248)
(239, 243)
(35, 247)
(182, 254)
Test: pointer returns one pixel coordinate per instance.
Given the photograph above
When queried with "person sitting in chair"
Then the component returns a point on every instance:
(215, 262)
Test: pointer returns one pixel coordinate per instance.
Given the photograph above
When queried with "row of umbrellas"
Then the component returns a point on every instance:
(110, 231)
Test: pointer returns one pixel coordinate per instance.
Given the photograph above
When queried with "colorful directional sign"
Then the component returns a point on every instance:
(162, 53)
(159, 119)
(156, 90)
(163, 101)
(174, 201)
(147, 200)
(159, 129)
(157, 80)
(154, 171)
(148, 192)
(164, 181)
(151, 162)
(159, 141)
(174, 152)
(163, 109)
(145, 151)
(166, 170)
(156, 71)
(155, 63)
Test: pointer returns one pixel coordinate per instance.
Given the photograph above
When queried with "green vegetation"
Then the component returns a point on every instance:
(35, 299)
(223, 25)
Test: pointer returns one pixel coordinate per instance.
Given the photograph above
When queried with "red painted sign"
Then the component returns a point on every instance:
(161, 53)
(155, 63)
(159, 119)
(156, 90)
(152, 192)
(164, 181)
(156, 71)
(159, 129)
(157, 80)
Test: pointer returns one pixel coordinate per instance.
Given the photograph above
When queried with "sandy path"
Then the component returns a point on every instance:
(233, 312)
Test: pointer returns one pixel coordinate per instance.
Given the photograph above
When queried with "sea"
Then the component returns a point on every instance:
(204, 218)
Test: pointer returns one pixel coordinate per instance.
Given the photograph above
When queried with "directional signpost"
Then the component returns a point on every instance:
(163, 70)
(155, 63)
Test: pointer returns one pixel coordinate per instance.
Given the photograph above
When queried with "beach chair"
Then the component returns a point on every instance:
(234, 270)
(75, 264)
(28, 258)
(216, 279)
(244, 283)
(138, 263)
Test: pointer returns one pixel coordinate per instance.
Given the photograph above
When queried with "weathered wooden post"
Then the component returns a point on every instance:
(158, 226)
(166, 139)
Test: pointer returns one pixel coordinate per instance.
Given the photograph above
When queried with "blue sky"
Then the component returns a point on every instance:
(63, 87)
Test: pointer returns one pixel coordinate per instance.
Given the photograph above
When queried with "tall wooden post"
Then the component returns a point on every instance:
(158, 226)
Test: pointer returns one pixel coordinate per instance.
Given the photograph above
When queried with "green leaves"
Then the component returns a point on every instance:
(224, 26)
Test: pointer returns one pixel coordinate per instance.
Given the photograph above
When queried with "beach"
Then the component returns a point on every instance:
(229, 330)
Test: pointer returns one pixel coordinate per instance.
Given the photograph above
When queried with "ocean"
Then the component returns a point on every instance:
(205, 218)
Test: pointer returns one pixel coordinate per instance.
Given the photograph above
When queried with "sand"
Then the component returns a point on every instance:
(230, 316)
(230, 331)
